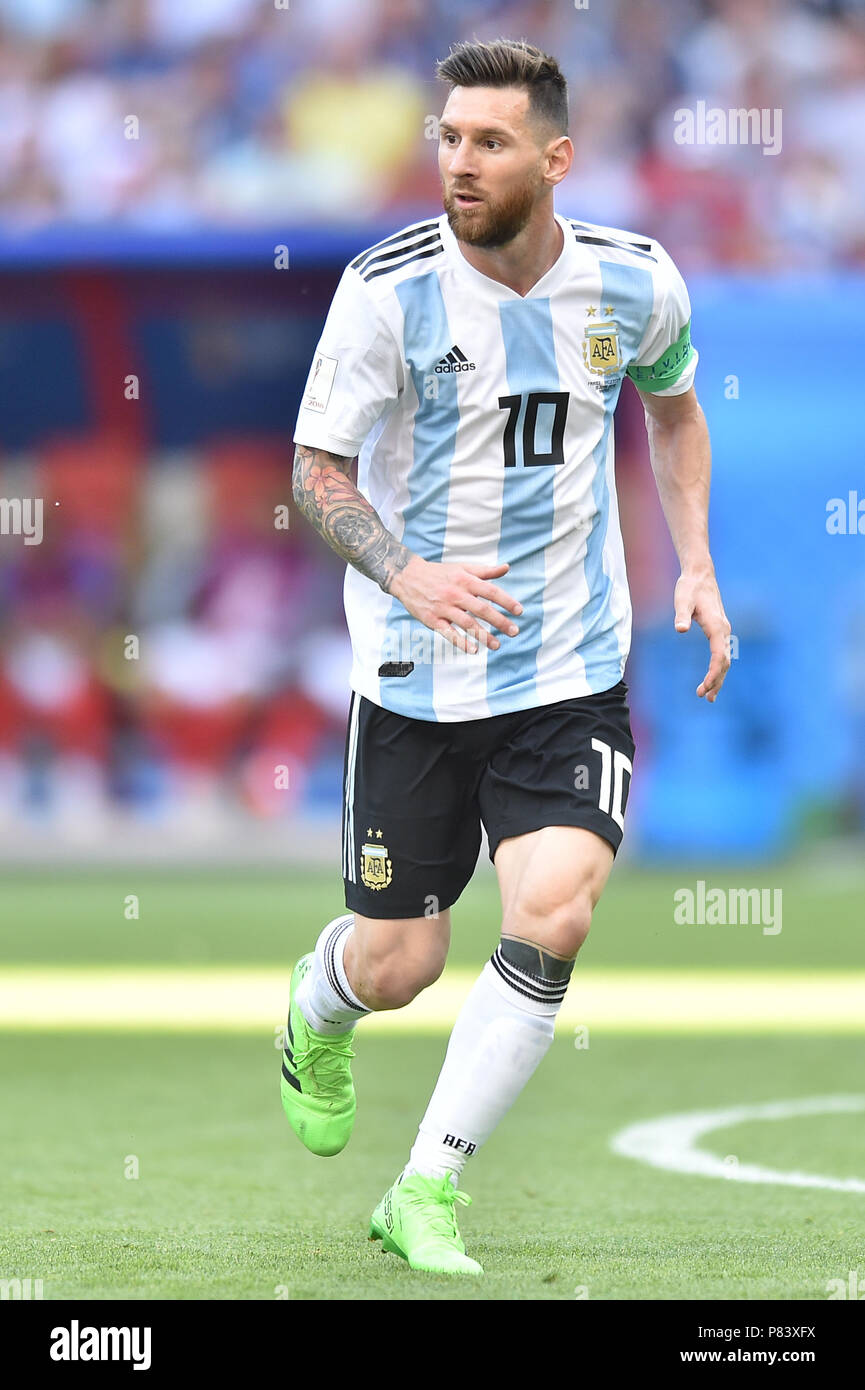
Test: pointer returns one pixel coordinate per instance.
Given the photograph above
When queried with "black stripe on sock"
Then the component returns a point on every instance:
(552, 987)
(330, 965)
(517, 988)
(519, 985)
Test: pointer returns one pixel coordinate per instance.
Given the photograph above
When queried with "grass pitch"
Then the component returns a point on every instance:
(151, 1162)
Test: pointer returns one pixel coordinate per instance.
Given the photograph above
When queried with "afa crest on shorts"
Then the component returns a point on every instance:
(376, 869)
(601, 348)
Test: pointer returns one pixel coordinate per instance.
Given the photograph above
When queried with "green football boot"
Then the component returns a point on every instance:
(317, 1089)
(416, 1219)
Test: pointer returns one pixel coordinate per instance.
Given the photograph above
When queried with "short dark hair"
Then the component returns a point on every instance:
(511, 63)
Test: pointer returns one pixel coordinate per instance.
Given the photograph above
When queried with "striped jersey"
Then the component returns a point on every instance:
(482, 421)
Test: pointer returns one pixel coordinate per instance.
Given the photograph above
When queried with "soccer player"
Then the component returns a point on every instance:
(472, 362)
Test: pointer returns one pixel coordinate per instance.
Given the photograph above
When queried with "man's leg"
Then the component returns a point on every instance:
(359, 964)
(550, 881)
(364, 964)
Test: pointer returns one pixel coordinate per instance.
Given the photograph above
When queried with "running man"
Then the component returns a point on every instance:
(472, 363)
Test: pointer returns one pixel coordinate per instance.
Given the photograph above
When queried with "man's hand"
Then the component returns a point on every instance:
(445, 597)
(697, 596)
(682, 462)
(450, 598)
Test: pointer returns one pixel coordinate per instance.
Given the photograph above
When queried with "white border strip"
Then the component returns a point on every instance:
(348, 832)
(670, 1142)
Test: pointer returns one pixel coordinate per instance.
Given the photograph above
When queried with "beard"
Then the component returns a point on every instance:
(491, 224)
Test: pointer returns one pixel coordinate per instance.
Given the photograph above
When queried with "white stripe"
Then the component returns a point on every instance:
(619, 599)
(568, 590)
(366, 605)
(331, 970)
(553, 986)
(348, 860)
(348, 836)
(670, 1142)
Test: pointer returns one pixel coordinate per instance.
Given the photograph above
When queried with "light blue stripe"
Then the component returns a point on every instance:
(527, 506)
(426, 339)
(629, 289)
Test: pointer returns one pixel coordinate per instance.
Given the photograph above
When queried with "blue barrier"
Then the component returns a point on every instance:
(63, 245)
(741, 776)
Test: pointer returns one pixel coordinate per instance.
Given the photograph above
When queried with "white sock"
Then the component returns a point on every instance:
(325, 997)
(503, 1031)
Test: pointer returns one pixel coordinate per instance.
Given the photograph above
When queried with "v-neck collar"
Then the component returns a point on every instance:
(561, 268)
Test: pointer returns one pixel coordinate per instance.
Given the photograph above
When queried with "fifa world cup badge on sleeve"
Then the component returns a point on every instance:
(320, 383)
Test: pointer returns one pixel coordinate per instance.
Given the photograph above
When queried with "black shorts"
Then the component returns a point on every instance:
(415, 792)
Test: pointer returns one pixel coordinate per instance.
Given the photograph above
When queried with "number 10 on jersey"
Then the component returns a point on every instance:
(534, 400)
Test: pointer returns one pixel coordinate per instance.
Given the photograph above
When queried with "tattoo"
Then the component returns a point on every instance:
(329, 500)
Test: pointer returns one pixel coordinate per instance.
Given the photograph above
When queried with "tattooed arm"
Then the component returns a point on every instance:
(448, 598)
(353, 528)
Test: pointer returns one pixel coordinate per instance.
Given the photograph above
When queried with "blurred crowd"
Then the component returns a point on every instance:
(168, 649)
(162, 114)
(172, 648)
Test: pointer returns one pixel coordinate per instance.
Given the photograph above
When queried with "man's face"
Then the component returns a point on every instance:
(490, 161)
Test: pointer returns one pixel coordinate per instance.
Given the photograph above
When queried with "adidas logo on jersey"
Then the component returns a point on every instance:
(455, 361)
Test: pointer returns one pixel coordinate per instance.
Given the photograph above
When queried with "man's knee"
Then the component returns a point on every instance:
(390, 975)
(550, 881)
(393, 982)
(560, 927)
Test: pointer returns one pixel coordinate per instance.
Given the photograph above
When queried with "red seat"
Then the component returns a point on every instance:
(246, 480)
(95, 479)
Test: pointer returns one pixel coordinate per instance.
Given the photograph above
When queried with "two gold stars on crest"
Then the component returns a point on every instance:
(608, 309)
(370, 831)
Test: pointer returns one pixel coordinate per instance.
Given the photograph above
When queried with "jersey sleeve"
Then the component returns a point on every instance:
(356, 374)
(667, 361)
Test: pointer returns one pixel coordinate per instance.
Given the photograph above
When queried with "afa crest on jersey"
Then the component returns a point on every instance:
(601, 348)
(376, 869)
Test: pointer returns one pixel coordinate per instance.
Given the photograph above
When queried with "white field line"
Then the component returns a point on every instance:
(254, 999)
(670, 1142)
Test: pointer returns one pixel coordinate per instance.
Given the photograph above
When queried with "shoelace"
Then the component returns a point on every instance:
(443, 1223)
(327, 1061)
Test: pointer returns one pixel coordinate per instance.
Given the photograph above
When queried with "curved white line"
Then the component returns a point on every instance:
(669, 1142)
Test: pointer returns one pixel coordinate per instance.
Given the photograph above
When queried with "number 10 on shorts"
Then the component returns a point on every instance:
(613, 767)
